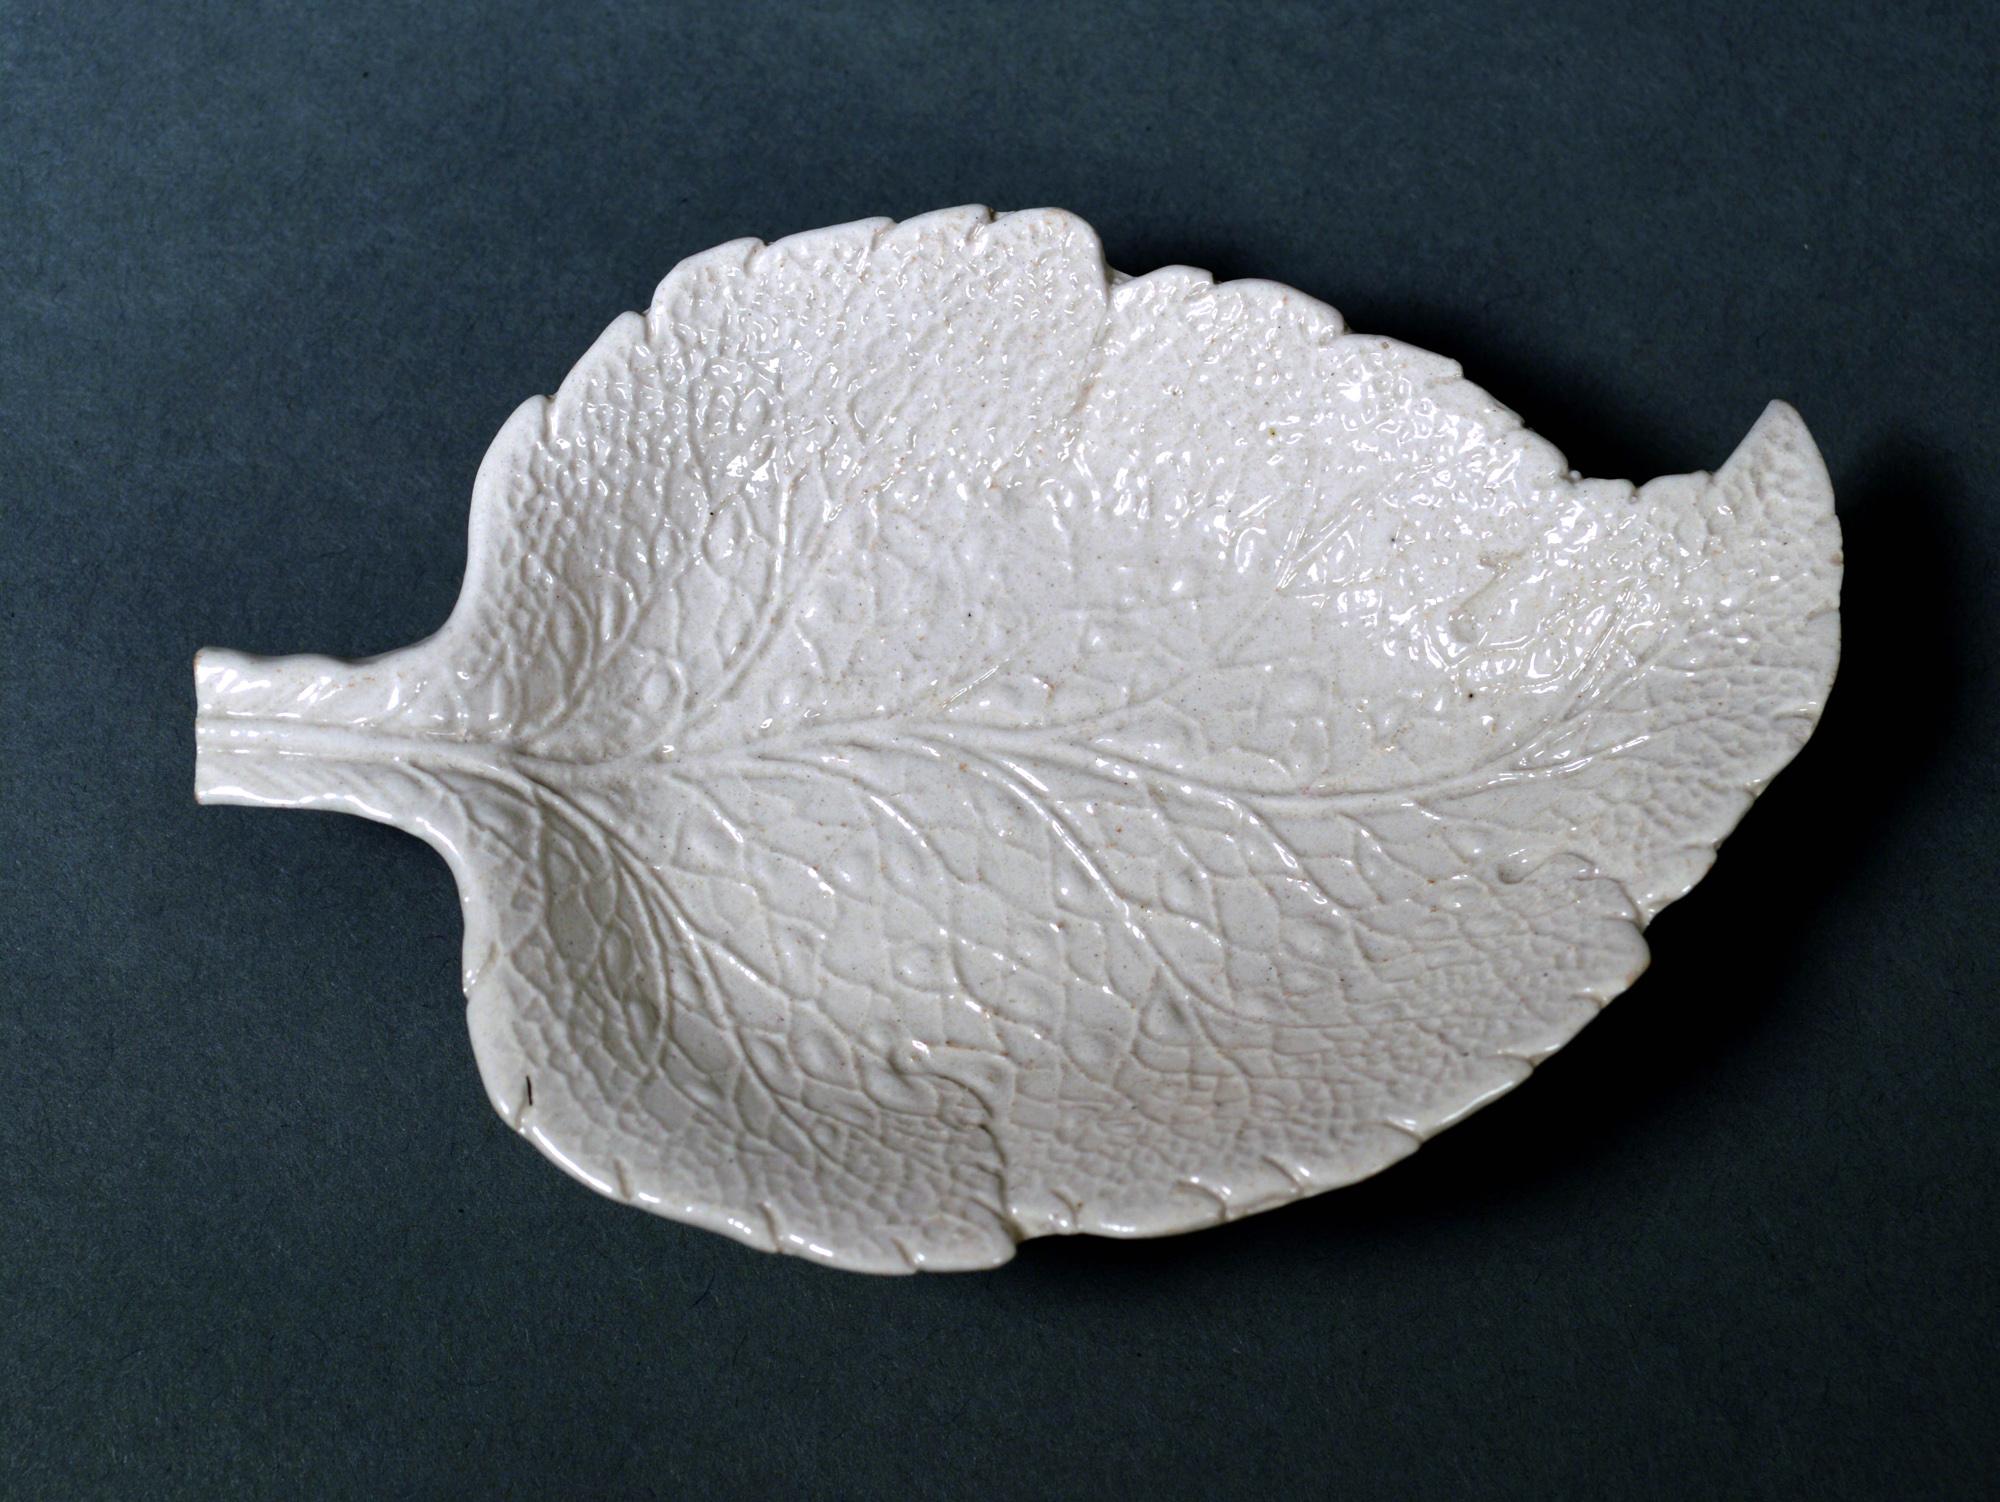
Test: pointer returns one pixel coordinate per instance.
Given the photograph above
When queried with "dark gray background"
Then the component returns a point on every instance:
(273, 276)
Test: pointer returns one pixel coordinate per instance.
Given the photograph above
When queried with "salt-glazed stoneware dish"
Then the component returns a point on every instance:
(942, 743)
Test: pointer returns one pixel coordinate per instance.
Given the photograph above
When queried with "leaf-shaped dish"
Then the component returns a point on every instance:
(942, 743)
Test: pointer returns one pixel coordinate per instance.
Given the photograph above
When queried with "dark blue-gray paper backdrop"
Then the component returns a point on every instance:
(270, 278)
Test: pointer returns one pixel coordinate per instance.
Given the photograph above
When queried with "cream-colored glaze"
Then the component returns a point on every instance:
(942, 744)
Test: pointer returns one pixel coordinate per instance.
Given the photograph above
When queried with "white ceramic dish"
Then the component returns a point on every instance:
(942, 744)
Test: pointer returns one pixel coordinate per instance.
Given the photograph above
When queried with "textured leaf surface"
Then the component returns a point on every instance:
(940, 744)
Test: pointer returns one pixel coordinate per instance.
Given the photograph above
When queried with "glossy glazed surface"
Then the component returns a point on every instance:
(942, 744)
